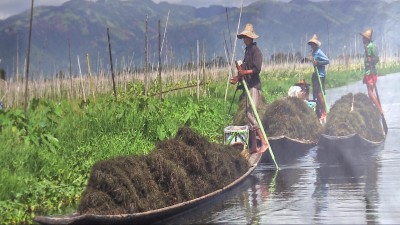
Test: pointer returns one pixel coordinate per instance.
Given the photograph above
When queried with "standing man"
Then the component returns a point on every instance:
(320, 60)
(370, 60)
(250, 72)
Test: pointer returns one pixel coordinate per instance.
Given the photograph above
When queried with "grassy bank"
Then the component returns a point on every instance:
(46, 160)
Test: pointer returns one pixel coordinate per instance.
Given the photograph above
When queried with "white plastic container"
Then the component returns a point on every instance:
(236, 134)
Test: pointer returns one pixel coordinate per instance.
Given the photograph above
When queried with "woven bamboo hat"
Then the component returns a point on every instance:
(368, 33)
(314, 40)
(248, 31)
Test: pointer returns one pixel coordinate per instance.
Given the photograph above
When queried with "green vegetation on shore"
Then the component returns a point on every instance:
(46, 160)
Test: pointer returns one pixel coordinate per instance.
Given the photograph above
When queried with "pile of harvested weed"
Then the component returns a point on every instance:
(291, 117)
(240, 118)
(177, 170)
(354, 114)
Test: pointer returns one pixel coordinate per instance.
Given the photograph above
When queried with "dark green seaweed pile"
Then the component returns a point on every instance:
(291, 117)
(240, 117)
(177, 170)
(355, 114)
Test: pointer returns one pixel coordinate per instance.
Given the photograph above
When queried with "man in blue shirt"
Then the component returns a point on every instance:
(320, 60)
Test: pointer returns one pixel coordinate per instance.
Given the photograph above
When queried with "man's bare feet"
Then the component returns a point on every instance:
(262, 148)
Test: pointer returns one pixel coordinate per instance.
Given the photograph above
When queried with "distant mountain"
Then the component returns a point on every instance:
(282, 27)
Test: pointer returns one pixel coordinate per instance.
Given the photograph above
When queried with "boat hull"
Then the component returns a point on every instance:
(287, 149)
(145, 217)
(350, 149)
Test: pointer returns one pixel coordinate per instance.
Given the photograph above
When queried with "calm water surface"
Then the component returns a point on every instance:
(364, 190)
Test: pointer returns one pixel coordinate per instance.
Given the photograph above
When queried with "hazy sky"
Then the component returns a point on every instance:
(12, 7)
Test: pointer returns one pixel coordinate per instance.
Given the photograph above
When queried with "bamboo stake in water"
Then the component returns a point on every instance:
(159, 58)
(17, 68)
(229, 29)
(198, 71)
(234, 51)
(204, 70)
(70, 67)
(27, 64)
(146, 55)
(90, 76)
(82, 86)
(111, 65)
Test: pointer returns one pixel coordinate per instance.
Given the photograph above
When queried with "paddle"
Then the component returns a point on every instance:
(322, 90)
(253, 107)
(385, 127)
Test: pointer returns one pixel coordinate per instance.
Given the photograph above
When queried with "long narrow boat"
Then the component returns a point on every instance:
(148, 217)
(353, 124)
(351, 149)
(288, 149)
(351, 140)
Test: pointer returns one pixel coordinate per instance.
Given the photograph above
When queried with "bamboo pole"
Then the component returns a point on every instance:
(146, 56)
(198, 71)
(17, 68)
(234, 51)
(159, 58)
(70, 67)
(111, 65)
(90, 76)
(259, 122)
(27, 64)
(82, 86)
(204, 70)
(165, 31)
(229, 29)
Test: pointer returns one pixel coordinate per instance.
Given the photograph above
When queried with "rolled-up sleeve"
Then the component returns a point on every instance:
(321, 58)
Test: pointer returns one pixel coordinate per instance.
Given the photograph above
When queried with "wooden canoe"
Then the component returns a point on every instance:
(287, 149)
(349, 141)
(351, 149)
(149, 216)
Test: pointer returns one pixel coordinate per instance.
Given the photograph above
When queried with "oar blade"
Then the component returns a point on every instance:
(385, 127)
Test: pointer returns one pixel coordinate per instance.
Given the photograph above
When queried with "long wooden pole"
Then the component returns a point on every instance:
(198, 71)
(259, 122)
(70, 67)
(111, 65)
(27, 64)
(322, 90)
(159, 58)
(82, 86)
(17, 68)
(234, 51)
(229, 29)
(385, 126)
(146, 55)
(90, 76)
(165, 31)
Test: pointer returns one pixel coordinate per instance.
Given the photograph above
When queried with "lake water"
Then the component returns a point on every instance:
(307, 191)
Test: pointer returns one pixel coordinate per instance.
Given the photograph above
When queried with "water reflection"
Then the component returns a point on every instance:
(350, 174)
(309, 191)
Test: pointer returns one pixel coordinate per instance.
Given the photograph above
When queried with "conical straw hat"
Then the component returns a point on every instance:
(368, 33)
(248, 32)
(314, 40)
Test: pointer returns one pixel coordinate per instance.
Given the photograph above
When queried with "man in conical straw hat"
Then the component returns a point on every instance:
(250, 70)
(320, 60)
(370, 60)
